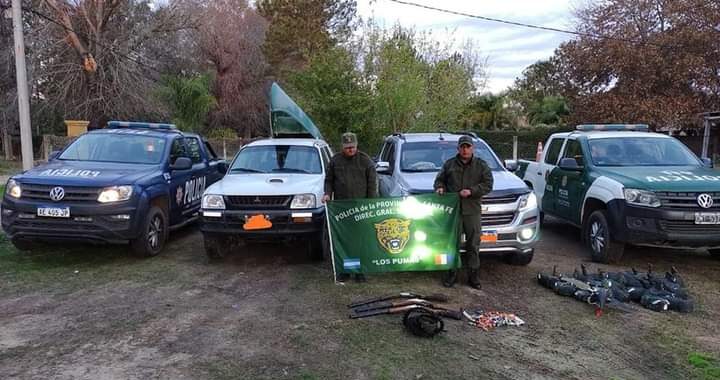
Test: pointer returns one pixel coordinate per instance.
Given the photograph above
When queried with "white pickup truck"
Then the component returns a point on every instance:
(622, 184)
(273, 188)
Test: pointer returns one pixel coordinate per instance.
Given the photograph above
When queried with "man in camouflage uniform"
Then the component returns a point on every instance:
(471, 177)
(350, 175)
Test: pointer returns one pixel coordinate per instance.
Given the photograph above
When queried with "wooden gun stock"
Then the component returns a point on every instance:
(447, 313)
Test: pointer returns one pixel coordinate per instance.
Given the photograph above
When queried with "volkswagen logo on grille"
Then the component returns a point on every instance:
(58, 193)
(705, 200)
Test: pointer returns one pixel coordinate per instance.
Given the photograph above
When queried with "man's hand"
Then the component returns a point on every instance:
(464, 193)
(440, 191)
(325, 198)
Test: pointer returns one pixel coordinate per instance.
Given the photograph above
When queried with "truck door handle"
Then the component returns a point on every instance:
(539, 173)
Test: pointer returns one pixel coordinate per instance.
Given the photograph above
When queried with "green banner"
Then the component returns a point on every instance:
(417, 233)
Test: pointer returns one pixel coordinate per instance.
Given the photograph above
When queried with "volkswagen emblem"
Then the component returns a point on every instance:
(58, 193)
(705, 200)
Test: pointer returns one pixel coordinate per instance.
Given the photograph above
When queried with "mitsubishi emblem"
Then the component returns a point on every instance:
(58, 193)
(705, 200)
(257, 200)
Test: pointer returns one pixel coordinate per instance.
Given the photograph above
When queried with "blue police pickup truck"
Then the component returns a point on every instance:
(128, 183)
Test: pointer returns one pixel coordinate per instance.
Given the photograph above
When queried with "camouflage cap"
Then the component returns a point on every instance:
(349, 139)
(465, 140)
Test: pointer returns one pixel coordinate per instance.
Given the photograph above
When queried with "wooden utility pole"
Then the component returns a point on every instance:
(22, 88)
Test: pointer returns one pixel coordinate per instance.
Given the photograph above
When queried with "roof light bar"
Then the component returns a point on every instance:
(137, 124)
(612, 127)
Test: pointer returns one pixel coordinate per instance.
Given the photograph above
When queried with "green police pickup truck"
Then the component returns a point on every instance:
(624, 185)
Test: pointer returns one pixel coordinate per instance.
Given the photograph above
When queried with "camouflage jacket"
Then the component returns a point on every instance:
(475, 175)
(351, 177)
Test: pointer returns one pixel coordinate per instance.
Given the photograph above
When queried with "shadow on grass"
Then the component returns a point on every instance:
(49, 256)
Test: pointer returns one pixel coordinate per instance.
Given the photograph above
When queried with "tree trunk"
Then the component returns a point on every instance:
(6, 140)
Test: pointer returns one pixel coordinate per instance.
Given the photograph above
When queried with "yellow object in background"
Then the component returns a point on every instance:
(76, 127)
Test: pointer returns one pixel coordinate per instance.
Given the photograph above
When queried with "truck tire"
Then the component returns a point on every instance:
(314, 248)
(153, 233)
(216, 246)
(596, 234)
(519, 258)
(22, 244)
(714, 253)
(318, 248)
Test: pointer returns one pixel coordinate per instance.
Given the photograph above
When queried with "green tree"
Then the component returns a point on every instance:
(189, 100)
(449, 91)
(549, 110)
(300, 29)
(402, 80)
(539, 80)
(487, 111)
(333, 92)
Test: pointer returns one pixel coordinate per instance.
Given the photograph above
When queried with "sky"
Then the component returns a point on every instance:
(508, 49)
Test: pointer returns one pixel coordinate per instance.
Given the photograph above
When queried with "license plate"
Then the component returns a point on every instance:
(489, 237)
(257, 222)
(54, 212)
(707, 218)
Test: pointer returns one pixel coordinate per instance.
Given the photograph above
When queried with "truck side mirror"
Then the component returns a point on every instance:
(707, 162)
(511, 165)
(568, 163)
(53, 155)
(222, 167)
(181, 163)
(382, 167)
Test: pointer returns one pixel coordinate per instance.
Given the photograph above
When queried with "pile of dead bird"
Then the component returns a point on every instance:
(654, 291)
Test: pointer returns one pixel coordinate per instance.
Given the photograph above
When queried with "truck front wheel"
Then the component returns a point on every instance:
(317, 245)
(216, 245)
(714, 252)
(596, 234)
(22, 244)
(520, 258)
(153, 233)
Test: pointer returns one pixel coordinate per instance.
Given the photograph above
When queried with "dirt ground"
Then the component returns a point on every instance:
(267, 313)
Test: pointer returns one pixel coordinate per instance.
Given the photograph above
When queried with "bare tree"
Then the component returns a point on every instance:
(94, 59)
(230, 38)
(8, 85)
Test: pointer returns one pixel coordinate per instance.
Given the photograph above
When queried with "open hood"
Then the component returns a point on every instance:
(287, 119)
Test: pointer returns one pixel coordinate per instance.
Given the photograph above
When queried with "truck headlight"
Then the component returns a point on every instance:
(303, 201)
(213, 202)
(528, 201)
(115, 194)
(641, 198)
(13, 189)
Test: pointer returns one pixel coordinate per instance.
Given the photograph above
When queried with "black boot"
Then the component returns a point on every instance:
(449, 278)
(359, 277)
(474, 279)
(342, 277)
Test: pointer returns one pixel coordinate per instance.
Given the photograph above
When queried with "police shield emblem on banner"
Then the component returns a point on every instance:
(393, 234)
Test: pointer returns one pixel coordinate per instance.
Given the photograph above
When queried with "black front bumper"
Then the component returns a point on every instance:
(88, 222)
(284, 225)
(661, 226)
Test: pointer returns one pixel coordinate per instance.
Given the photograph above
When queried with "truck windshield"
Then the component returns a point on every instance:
(278, 159)
(641, 151)
(122, 148)
(430, 156)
